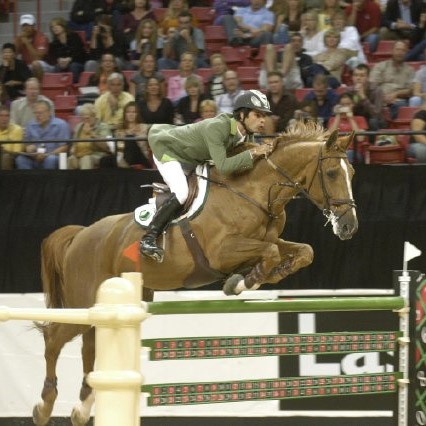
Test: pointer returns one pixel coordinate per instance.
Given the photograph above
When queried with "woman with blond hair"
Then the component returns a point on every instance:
(129, 22)
(188, 107)
(208, 109)
(87, 154)
(66, 50)
(171, 17)
(145, 41)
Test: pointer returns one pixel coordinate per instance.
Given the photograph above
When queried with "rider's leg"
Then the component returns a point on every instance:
(175, 178)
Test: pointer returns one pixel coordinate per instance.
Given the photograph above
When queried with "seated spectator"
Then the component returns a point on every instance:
(395, 78)
(171, 17)
(226, 101)
(136, 153)
(418, 97)
(13, 72)
(215, 85)
(288, 19)
(293, 64)
(129, 22)
(365, 16)
(367, 97)
(282, 104)
(185, 39)
(83, 14)
(147, 69)
(333, 58)
(106, 40)
(403, 20)
(417, 147)
(109, 106)
(21, 110)
(66, 50)
(87, 155)
(33, 46)
(188, 107)
(208, 109)
(176, 83)
(226, 7)
(252, 25)
(344, 120)
(153, 106)
(145, 42)
(39, 155)
(326, 14)
(9, 132)
(313, 38)
(321, 99)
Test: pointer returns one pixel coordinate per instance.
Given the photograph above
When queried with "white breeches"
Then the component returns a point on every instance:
(175, 178)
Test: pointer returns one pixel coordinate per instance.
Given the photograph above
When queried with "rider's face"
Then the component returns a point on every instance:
(255, 121)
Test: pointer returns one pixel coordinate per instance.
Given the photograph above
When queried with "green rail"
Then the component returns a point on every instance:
(320, 304)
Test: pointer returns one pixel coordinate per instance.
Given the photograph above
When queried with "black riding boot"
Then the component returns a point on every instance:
(148, 245)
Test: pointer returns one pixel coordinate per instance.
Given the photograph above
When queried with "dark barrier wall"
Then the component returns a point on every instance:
(391, 209)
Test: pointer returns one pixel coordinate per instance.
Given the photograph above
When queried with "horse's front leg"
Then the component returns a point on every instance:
(294, 256)
(239, 251)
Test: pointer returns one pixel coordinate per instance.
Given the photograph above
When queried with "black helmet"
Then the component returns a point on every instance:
(253, 99)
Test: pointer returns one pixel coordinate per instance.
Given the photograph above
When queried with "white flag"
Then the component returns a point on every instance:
(410, 251)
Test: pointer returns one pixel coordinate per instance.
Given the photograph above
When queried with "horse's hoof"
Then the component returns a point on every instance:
(38, 418)
(230, 287)
(77, 418)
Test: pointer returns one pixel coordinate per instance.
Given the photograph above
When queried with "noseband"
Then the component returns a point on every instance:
(329, 202)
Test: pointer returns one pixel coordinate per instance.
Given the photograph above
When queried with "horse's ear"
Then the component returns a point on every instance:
(332, 139)
(346, 141)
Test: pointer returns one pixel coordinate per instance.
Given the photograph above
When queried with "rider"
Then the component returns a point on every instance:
(193, 144)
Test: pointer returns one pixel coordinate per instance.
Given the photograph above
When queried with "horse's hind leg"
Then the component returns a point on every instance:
(81, 413)
(55, 337)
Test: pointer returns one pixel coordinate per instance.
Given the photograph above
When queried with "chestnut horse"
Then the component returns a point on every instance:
(238, 230)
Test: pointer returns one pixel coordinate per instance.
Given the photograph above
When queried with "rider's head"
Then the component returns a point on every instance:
(250, 100)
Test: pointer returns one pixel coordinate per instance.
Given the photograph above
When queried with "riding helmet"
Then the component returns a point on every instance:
(253, 99)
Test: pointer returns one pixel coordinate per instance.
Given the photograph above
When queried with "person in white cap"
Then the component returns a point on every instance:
(33, 46)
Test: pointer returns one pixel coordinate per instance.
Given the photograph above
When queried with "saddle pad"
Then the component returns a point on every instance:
(143, 215)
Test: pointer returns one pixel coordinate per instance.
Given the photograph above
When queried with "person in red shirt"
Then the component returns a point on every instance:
(33, 46)
(366, 16)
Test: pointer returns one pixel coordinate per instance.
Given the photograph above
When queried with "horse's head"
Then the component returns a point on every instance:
(331, 187)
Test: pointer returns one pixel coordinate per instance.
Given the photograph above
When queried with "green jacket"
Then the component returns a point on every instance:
(210, 139)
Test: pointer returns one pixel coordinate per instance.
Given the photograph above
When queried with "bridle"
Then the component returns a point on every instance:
(330, 202)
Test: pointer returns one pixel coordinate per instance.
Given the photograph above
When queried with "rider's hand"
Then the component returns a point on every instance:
(261, 151)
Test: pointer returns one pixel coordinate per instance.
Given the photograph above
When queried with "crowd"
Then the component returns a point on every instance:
(325, 46)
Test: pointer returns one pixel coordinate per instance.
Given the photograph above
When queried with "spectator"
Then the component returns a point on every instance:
(185, 39)
(321, 99)
(39, 155)
(154, 107)
(21, 110)
(252, 25)
(226, 7)
(365, 15)
(66, 50)
(129, 22)
(146, 70)
(9, 132)
(367, 97)
(87, 155)
(188, 107)
(326, 14)
(176, 83)
(293, 64)
(282, 104)
(226, 101)
(106, 40)
(4, 97)
(418, 97)
(417, 147)
(215, 84)
(13, 72)
(288, 18)
(403, 20)
(33, 46)
(171, 17)
(145, 42)
(109, 106)
(208, 109)
(136, 153)
(395, 78)
(313, 38)
(344, 120)
(83, 14)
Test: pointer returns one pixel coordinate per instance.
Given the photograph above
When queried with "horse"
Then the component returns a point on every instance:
(238, 233)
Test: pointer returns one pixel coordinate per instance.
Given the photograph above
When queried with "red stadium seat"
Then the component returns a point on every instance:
(54, 84)
(249, 77)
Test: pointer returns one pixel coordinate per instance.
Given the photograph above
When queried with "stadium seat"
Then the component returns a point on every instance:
(404, 117)
(249, 77)
(65, 105)
(204, 15)
(204, 73)
(383, 52)
(260, 55)
(236, 56)
(83, 81)
(387, 154)
(169, 73)
(215, 38)
(54, 84)
(301, 93)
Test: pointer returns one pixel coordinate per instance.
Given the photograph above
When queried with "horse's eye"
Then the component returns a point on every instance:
(332, 174)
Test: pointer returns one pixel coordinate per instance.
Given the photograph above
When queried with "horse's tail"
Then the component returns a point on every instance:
(53, 250)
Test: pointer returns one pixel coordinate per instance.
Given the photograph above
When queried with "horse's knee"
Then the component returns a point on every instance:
(306, 254)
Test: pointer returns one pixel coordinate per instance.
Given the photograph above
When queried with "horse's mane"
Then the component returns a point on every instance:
(310, 131)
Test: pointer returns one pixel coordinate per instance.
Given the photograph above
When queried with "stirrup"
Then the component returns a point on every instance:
(152, 252)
